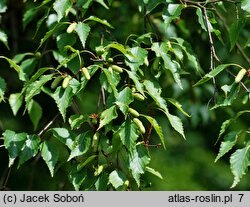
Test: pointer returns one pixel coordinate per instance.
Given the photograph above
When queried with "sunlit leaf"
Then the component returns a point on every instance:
(4, 38)
(228, 143)
(117, 178)
(82, 31)
(123, 100)
(245, 5)
(138, 161)
(77, 120)
(107, 116)
(64, 136)
(128, 134)
(29, 149)
(61, 7)
(63, 98)
(239, 163)
(102, 21)
(137, 58)
(154, 172)
(13, 143)
(15, 101)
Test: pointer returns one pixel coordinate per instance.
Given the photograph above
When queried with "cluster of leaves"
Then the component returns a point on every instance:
(108, 148)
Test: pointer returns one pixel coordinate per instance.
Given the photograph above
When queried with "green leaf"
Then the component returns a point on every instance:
(77, 177)
(16, 67)
(13, 143)
(81, 145)
(88, 160)
(102, 182)
(117, 178)
(234, 31)
(64, 136)
(178, 106)
(50, 154)
(4, 38)
(129, 134)
(138, 85)
(63, 99)
(212, 74)
(62, 7)
(15, 101)
(35, 112)
(102, 3)
(34, 88)
(29, 16)
(201, 19)
(157, 128)
(63, 40)
(154, 172)
(123, 100)
(77, 120)
(3, 6)
(2, 89)
(171, 12)
(154, 91)
(138, 161)
(111, 79)
(234, 92)
(245, 5)
(176, 123)
(82, 31)
(239, 164)
(51, 32)
(107, 116)
(227, 123)
(228, 143)
(28, 66)
(29, 149)
(137, 58)
(118, 47)
(173, 66)
(102, 21)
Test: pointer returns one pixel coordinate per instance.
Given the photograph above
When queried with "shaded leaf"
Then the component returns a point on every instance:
(88, 160)
(234, 31)
(35, 112)
(29, 16)
(234, 92)
(138, 85)
(138, 161)
(81, 145)
(107, 116)
(50, 154)
(118, 47)
(82, 31)
(13, 143)
(77, 120)
(171, 12)
(239, 164)
(102, 182)
(16, 67)
(3, 6)
(228, 143)
(200, 19)
(2, 89)
(34, 88)
(15, 101)
(77, 177)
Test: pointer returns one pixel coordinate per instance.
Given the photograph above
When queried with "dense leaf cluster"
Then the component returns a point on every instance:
(81, 55)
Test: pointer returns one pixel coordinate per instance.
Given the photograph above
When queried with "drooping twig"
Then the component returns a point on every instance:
(48, 125)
